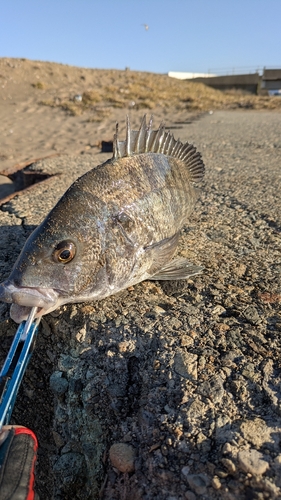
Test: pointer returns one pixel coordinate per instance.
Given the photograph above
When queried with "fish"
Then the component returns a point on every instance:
(115, 226)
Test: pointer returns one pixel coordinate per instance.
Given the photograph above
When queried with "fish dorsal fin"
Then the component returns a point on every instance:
(146, 140)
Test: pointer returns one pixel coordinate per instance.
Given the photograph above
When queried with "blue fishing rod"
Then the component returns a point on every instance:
(15, 365)
(18, 444)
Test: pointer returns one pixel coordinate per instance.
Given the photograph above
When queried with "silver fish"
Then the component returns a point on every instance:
(115, 226)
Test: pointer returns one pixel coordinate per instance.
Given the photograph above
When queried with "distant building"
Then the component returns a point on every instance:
(249, 82)
(188, 76)
(271, 82)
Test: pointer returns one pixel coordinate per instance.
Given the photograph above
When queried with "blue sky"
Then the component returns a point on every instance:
(183, 35)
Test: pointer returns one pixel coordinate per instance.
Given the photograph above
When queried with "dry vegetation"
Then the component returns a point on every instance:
(79, 90)
(149, 90)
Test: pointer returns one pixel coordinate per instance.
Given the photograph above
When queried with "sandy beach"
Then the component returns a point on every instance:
(185, 376)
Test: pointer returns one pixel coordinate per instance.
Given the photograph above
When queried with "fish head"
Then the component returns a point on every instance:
(59, 261)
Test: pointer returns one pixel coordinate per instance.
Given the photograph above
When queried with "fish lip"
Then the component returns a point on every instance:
(43, 298)
(21, 313)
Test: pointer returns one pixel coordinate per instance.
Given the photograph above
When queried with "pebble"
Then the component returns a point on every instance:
(185, 471)
(58, 383)
(189, 495)
(227, 448)
(256, 431)
(185, 364)
(213, 389)
(58, 439)
(66, 362)
(249, 372)
(186, 341)
(229, 465)
(252, 315)
(251, 461)
(122, 457)
(196, 409)
(240, 270)
(218, 310)
(198, 483)
(70, 467)
(158, 310)
(216, 483)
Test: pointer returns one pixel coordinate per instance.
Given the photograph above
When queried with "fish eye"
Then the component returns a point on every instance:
(64, 252)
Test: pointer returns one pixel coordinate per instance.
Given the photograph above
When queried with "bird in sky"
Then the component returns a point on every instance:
(146, 27)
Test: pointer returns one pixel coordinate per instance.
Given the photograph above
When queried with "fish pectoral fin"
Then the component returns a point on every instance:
(161, 252)
(177, 269)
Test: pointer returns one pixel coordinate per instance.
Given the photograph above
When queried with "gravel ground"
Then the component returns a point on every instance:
(168, 391)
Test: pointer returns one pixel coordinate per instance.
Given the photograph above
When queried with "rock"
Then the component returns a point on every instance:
(186, 341)
(216, 483)
(189, 495)
(70, 470)
(185, 471)
(58, 439)
(218, 310)
(185, 364)
(122, 457)
(198, 483)
(240, 270)
(229, 465)
(252, 315)
(213, 389)
(196, 409)
(66, 362)
(158, 310)
(249, 372)
(58, 384)
(256, 431)
(251, 461)
(227, 448)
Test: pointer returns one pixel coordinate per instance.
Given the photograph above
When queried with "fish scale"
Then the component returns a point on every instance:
(117, 225)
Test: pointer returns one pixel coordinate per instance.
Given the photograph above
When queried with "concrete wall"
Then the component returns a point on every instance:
(248, 82)
(271, 84)
(271, 79)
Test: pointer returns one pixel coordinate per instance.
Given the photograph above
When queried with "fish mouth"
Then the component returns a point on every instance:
(24, 298)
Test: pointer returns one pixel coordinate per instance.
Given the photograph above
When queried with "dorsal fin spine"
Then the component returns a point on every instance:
(185, 150)
(116, 150)
(174, 150)
(141, 134)
(170, 144)
(173, 147)
(148, 134)
(146, 140)
(185, 157)
(195, 160)
(194, 155)
(157, 139)
(164, 143)
(128, 137)
(146, 148)
(192, 164)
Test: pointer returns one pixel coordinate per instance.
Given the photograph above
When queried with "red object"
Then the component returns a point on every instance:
(24, 430)
(18, 455)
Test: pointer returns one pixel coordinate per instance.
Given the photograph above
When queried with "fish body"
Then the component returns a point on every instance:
(115, 226)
